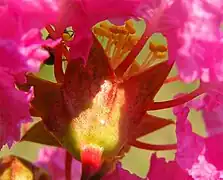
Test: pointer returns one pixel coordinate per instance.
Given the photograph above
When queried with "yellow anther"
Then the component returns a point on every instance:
(102, 32)
(152, 47)
(119, 40)
(118, 30)
(130, 27)
(105, 25)
(157, 48)
(161, 48)
(160, 55)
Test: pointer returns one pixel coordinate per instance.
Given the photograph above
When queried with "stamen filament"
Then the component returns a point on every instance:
(153, 147)
(175, 102)
(66, 52)
(58, 68)
(171, 79)
(121, 69)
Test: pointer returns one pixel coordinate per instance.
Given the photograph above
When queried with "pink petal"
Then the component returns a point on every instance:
(121, 174)
(211, 107)
(14, 107)
(21, 39)
(189, 144)
(163, 15)
(201, 52)
(213, 119)
(202, 170)
(109, 9)
(81, 45)
(214, 150)
(53, 160)
(161, 169)
(35, 13)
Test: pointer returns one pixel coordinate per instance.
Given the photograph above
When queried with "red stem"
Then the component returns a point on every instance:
(177, 101)
(120, 70)
(153, 147)
(68, 165)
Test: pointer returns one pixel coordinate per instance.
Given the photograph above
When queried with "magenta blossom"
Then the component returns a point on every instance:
(12, 100)
(200, 156)
(197, 55)
(196, 158)
(21, 52)
(21, 40)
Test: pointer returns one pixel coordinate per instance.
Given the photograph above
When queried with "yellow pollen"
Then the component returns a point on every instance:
(130, 27)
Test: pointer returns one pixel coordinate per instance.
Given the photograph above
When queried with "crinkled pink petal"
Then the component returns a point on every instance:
(21, 40)
(25, 55)
(189, 144)
(14, 109)
(214, 150)
(210, 104)
(202, 157)
(213, 117)
(53, 160)
(202, 170)
(110, 8)
(163, 15)
(199, 56)
(197, 104)
(33, 14)
(121, 174)
(160, 169)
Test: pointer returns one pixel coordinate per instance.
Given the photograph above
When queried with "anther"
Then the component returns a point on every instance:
(129, 26)
(118, 30)
(102, 32)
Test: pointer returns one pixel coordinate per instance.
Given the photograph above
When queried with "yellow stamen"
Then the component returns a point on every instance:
(120, 40)
(156, 54)
(130, 27)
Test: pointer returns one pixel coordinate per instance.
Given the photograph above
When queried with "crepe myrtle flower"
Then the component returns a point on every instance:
(94, 106)
(98, 107)
(21, 52)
